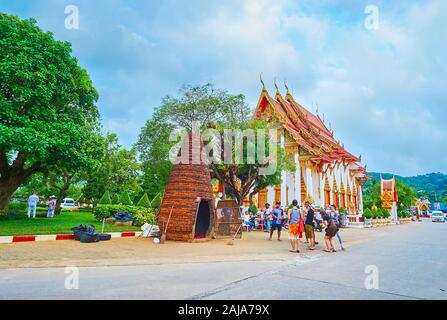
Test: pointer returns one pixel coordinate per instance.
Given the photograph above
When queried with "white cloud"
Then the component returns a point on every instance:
(383, 91)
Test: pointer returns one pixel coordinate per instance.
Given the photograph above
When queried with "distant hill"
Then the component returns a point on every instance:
(431, 185)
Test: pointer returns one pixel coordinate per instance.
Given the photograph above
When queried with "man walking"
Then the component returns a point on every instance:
(33, 200)
(277, 217)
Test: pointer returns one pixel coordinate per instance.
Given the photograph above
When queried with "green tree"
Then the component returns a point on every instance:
(245, 178)
(116, 199)
(204, 104)
(125, 199)
(105, 199)
(144, 201)
(368, 214)
(156, 202)
(117, 172)
(46, 101)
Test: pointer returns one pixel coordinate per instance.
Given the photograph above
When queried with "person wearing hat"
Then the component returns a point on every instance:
(51, 207)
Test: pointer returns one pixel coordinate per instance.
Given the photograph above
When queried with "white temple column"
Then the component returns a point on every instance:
(309, 183)
(297, 179)
(283, 179)
(322, 192)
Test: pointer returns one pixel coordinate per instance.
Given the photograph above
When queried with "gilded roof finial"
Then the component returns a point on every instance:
(276, 86)
(287, 88)
(262, 81)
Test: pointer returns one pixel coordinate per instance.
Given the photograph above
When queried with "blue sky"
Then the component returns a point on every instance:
(383, 91)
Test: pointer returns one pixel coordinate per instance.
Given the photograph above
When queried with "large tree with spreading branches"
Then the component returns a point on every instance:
(47, 104)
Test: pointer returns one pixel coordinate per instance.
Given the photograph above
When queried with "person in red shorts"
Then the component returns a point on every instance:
(295, 234)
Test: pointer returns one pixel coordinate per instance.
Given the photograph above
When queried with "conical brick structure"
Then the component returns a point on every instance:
(189, 191)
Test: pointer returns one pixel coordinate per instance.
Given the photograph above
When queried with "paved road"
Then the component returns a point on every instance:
(411, 261)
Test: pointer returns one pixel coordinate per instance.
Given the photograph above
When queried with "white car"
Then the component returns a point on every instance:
(437, 216)
(68, 203)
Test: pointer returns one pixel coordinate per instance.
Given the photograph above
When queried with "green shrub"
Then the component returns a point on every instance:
(125, 199)
(12, 215)
(368, 213)
(156, 202)
(105, 199)
(139, 213)
(145, 214)
(342, 210)
(17, 206)
(116, 199)
(144, 201)
(386, 214)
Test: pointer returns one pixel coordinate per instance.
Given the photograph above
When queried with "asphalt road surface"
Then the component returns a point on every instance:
(408, 262)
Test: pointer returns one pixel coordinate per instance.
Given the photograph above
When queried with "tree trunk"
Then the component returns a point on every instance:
(8, 186)
(12, 176)
(63, 193)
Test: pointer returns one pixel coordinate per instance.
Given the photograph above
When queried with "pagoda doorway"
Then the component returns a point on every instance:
(203, 219)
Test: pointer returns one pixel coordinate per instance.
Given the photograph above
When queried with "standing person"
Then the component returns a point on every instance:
(277, 217)
(267, 217)
(334, 215)
(33, 200)
(309, 225)
(318, 220)
(331, 230)
(295, 218)
(51, 207)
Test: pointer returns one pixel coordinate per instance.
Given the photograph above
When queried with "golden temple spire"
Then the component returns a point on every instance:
(287, 88)
(276, 86)
(262, 81)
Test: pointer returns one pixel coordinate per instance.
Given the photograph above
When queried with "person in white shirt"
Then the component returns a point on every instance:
(33, 200)
(267, 217)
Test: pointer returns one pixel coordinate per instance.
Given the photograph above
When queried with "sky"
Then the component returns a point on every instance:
(381, 88)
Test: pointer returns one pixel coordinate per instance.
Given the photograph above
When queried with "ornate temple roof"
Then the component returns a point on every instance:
(308, 130)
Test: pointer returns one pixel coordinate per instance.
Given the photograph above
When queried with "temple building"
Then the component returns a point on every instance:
(326, 173)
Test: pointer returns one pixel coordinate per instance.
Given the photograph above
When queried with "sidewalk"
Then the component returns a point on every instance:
(132, 251)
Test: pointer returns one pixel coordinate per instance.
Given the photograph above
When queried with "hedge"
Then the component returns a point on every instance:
(139, 213)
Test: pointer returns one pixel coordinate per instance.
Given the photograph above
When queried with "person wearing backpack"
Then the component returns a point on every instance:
(334, 215)
(295, 227)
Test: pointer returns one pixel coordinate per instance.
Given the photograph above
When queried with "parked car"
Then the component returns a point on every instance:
(437, 216)
(68, 203)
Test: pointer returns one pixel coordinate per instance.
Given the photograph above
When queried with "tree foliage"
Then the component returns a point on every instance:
(144, 201)
(125, 199)
(105, 199)
(46, 101)
(117, 172)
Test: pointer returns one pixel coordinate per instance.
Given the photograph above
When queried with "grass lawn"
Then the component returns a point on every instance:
(60, 224)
